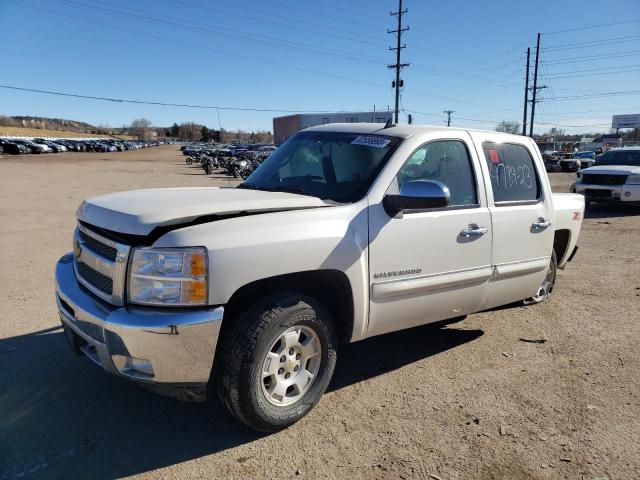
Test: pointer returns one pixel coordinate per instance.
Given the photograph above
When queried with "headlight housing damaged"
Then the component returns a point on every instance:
(168, 276)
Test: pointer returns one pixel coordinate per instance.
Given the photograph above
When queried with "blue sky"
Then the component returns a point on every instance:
(318, 55)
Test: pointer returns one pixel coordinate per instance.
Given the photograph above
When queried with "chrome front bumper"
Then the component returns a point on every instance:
(616, 194)
(160, 347)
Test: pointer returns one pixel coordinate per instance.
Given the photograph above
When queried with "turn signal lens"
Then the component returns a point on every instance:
(197, 291)
(198, 264)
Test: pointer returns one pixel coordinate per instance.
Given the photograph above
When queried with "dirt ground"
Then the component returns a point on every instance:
(463, 399)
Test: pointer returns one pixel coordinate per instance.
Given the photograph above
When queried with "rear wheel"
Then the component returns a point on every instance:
(276, 361)
(549, 281)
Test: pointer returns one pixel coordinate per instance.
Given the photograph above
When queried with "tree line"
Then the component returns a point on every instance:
(196, 132)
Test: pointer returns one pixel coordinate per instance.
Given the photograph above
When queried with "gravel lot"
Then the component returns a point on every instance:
(462, 399)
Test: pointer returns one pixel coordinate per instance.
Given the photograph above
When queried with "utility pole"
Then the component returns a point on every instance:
(397, 83)
(526, 95)
(448, 112)
(535, 88)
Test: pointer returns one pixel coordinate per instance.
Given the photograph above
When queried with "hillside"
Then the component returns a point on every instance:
(47, 124)
(52, 127)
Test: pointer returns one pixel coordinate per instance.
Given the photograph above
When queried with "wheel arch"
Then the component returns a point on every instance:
(331, 287)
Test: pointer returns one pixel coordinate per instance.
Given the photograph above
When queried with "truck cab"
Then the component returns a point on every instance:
(345, 232)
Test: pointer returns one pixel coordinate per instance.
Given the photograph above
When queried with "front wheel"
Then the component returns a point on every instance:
(276, 361)
(549, 281)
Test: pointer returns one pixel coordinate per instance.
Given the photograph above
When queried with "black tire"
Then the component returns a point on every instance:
(245, 345)
(245, 173)
(546, 288)
(189, 160)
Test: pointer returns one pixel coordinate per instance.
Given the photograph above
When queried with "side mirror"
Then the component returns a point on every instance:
(417, 195)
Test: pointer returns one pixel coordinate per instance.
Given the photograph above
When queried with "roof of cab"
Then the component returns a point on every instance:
(400, 130)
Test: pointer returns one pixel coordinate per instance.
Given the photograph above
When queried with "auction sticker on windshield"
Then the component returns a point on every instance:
(370, 141)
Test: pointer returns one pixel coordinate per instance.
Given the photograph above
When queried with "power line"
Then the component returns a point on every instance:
(324, 14)
(94, 22)
(292, 25)
(597, 57)
(203, 28)
(479, 120)
(194, 45)
(593, 43)
(162, 104)
(293, 19)
(588, 27)
(597, 74)
(598, 69)
(623, 93)
(357, 13)
(596, 111)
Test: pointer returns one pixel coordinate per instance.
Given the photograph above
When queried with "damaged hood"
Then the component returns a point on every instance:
(138, 212)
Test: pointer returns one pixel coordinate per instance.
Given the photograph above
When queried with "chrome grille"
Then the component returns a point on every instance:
(106, 251)
(100, 264)
(98, 280)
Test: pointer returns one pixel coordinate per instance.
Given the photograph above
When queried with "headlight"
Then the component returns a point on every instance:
(633, 179)
(160, 276)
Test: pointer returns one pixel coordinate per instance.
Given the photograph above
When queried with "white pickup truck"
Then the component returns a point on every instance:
(345, 232)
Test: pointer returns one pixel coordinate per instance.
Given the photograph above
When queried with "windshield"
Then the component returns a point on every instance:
(329, 165)
(630, 158)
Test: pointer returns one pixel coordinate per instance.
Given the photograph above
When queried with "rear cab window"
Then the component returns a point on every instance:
(513, 174)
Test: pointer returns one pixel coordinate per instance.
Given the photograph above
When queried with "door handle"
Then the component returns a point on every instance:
(473, 230)
(540, 224)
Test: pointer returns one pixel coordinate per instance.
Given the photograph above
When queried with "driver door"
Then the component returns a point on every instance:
(423, 265)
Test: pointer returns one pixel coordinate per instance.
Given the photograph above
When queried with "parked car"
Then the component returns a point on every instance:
(568, 162)
(551, 163)
(33, 147)
(55, 148)
(347, 231)
(614, 179)
(13, 148)
(587, 158)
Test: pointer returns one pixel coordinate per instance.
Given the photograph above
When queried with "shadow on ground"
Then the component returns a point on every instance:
(608, 211)
(63, 417)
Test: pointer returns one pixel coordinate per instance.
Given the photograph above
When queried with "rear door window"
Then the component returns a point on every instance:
(512, 172)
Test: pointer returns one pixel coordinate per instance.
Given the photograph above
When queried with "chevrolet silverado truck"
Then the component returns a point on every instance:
(345, 232)
(614, 179)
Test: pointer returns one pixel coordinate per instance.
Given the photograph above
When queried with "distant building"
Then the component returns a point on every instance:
(285, 127)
